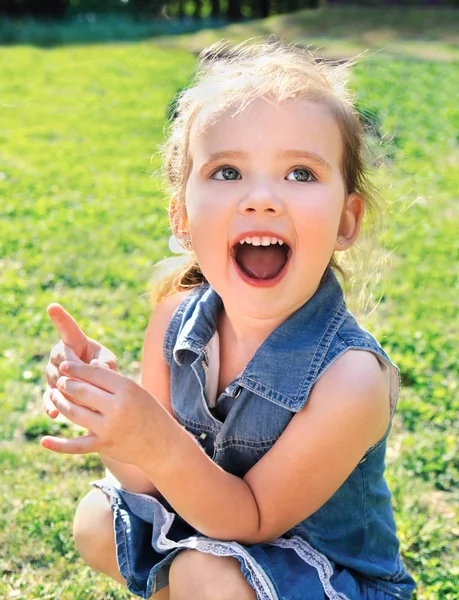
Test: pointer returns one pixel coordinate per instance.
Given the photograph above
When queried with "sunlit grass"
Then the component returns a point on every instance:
(83, 221)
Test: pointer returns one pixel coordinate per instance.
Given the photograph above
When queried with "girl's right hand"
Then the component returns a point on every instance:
(75, 346)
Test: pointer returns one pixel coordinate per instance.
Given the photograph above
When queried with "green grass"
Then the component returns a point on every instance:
(84, 220)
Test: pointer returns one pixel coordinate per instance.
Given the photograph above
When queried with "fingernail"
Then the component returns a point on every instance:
(64, 366)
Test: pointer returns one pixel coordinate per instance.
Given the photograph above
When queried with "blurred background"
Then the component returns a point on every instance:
(48, 22)
(231, 9)
(86, 87)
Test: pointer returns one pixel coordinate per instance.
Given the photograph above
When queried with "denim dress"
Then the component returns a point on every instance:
(348, 549)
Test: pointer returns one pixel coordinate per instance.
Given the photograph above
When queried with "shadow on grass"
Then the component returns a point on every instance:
(364, 25)
(95, 29)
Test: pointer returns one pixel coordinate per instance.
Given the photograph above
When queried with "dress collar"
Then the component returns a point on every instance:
(287, 363)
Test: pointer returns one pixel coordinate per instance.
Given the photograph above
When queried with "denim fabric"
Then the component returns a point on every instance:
(348, 549)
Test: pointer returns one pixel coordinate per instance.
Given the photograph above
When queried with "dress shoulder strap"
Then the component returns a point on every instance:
(179, 318)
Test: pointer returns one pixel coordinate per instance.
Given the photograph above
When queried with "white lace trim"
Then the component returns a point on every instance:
(260, 581)
(315, 559)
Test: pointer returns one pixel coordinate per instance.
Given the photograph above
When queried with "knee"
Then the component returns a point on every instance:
(201, 576)
(93, 529)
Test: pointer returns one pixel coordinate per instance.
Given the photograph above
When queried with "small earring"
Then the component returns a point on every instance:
(339, 240)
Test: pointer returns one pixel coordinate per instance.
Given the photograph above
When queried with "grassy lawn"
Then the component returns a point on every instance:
(84, 220)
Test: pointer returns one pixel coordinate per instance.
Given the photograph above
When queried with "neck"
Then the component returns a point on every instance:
(244, 335)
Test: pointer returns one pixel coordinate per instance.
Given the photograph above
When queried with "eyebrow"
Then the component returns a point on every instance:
(218, 156)
(307, 155)
(236, 154)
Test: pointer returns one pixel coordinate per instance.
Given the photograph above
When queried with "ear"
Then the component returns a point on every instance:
(178, 218)
(351, 219)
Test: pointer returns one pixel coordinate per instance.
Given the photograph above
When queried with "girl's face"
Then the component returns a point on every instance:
(271, 173)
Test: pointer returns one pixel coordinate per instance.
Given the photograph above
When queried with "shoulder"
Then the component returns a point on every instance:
(355, 384)
(155, 370)
(360, 367)
(160, 320)
(357, 345)
(350, 334)
(163, 312)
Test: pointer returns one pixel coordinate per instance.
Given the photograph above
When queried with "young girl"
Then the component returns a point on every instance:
(256, 441)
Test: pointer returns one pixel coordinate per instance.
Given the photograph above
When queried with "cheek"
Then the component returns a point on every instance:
(199, 200)
(318, 212)
(203, 221)
(207, 229)
(317, 220)
(207, 208)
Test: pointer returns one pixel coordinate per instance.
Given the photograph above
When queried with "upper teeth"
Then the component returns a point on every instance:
(261, 241)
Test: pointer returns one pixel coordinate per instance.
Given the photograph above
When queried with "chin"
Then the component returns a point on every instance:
(268, 309)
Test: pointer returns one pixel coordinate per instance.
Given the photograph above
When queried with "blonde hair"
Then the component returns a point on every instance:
(231, 77)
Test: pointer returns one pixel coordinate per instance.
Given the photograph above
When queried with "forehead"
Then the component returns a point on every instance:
(266, 127)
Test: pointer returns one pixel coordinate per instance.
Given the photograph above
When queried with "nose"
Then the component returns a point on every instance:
(261, 199)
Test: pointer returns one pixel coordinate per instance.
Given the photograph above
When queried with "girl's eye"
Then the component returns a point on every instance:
(301, 175)
(226, 174)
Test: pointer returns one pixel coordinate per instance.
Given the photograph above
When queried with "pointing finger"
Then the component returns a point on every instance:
(68, 328)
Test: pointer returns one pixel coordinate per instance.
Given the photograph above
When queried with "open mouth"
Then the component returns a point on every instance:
(261, 258)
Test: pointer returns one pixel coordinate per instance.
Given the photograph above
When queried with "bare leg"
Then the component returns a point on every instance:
(94, 537)
(195, 575)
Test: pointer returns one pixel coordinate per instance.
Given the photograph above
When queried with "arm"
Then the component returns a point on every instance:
(347, 412)
(348, 409)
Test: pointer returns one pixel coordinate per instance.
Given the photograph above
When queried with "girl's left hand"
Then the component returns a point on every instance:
(123, 420)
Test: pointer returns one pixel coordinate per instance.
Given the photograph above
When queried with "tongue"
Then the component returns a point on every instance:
(261, 262)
